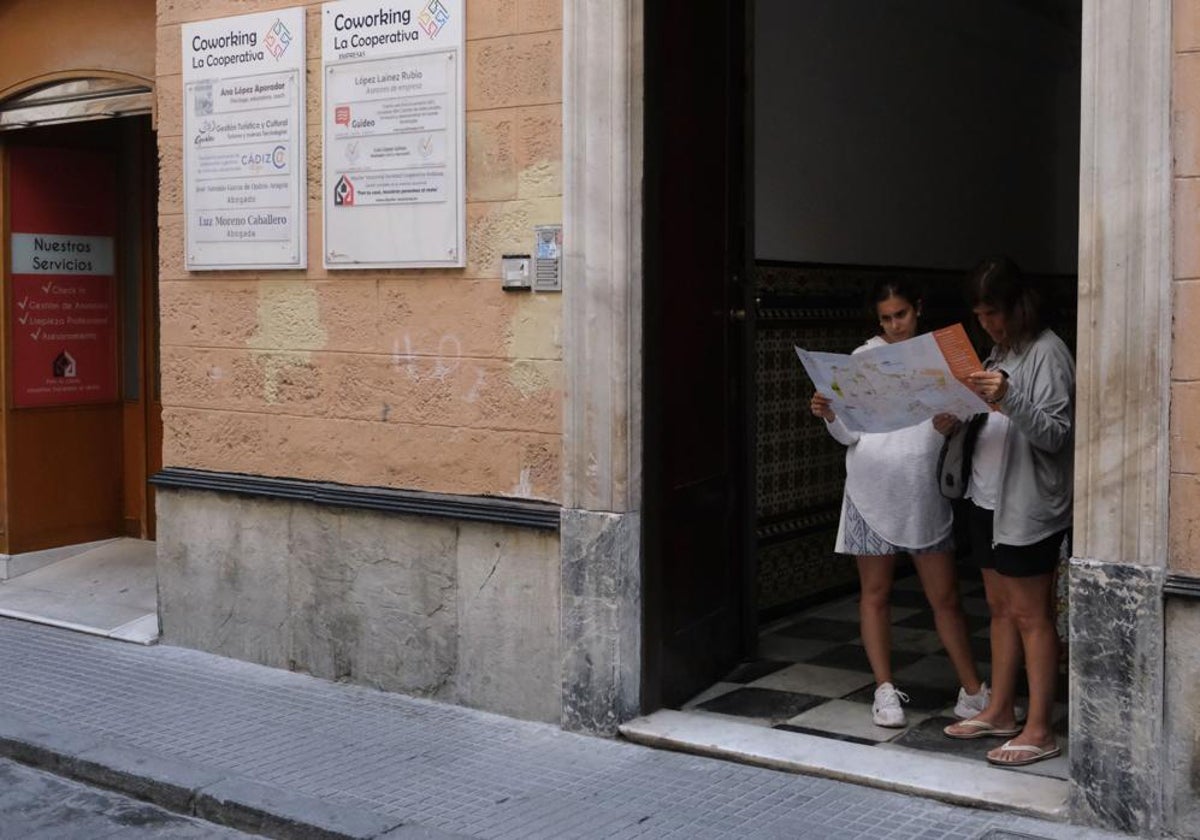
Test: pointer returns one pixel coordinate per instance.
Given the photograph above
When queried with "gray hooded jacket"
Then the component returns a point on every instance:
(1036, 475)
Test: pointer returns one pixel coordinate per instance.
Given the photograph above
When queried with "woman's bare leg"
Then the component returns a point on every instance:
(1006, 659)
(875, 612)
(1029, 599)
(939, 579)
(1006, 651)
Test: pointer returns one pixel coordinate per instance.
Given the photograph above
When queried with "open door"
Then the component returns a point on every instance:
(695, 307)
(82, 415)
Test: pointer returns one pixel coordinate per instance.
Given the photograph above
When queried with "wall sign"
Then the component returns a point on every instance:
(62, 297)
(393, 134)
(244, 148)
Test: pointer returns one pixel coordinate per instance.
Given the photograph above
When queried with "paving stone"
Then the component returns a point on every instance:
(854, 658)
(423, 766)
(763, 703)
(921, 698)
(748, 672)
(821, 629)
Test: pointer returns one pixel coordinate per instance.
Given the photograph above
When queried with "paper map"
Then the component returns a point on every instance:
(898, 385)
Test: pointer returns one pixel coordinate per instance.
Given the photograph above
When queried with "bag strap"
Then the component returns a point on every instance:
(954, 461)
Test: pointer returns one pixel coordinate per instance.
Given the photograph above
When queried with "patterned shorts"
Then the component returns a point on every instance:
(861, 540)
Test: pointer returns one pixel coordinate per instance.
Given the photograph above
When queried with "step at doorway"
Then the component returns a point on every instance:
(108, 588)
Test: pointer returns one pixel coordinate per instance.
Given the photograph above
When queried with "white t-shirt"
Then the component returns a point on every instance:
(984, 489)
(891, 477)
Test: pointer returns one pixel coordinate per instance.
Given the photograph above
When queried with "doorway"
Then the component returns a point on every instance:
(82, 415)
(854, 141)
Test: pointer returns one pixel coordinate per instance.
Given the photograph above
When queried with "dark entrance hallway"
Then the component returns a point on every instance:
(871, 143)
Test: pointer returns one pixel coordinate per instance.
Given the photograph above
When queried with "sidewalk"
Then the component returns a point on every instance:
(291, 756)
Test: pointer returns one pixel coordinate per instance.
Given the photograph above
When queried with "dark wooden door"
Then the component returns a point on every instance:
(695, 250)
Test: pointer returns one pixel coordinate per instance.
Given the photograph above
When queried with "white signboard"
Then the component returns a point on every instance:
(394, 134)
(244, 158)
(52, 253)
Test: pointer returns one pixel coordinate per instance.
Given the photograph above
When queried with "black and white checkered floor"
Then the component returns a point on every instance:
(813, 677)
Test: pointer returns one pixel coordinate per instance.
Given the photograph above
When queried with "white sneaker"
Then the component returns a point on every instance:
(886, 710)
(970, 705)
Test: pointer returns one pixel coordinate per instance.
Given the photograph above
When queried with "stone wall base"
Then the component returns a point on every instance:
(465, 612)
(601, 620)
(1183, 718)
(1116, 693)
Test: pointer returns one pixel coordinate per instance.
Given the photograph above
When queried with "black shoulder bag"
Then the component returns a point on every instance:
(954, 461)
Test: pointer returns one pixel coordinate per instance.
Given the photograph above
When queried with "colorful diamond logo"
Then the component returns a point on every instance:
(434, 18)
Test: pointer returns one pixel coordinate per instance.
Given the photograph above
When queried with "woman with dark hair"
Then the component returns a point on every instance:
(892, 505)
(1020, 502)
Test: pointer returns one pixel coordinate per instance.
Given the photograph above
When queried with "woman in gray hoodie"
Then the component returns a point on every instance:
(1020, 502)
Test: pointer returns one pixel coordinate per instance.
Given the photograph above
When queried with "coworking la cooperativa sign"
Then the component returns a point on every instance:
(393, 134)
(244, 149)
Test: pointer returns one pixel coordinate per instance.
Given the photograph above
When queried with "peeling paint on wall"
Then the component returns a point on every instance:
(528, 378)
(534, 330)
(289, 322)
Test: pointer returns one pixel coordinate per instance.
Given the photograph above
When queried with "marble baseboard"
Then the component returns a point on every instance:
(601, 628)
(1116, 696)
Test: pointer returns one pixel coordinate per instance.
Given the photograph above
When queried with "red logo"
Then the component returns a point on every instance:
(343, 192)
(341, 115)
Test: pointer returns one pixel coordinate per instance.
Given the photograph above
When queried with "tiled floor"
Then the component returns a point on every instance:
(813, 677)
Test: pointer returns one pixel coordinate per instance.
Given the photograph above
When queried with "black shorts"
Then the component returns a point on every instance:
(1040, 558)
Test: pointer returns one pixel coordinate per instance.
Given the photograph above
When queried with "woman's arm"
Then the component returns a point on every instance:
(821, 407)
(1045, 416)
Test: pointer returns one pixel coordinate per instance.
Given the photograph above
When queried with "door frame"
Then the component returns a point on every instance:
(136, 162)
(1125, 262)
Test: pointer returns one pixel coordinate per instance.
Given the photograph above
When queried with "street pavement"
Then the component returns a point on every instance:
(287, 755)
(37, 805)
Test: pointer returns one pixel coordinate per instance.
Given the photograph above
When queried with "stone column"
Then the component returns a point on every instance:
(1121, 457)
(602, 275)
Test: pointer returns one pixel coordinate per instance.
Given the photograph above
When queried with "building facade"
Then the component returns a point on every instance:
(417, 480)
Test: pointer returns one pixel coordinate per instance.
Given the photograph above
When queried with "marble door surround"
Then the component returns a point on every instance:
(602, 318)
(1122, 468)
(1121, 448)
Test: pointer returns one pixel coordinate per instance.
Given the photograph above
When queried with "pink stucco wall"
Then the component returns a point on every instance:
(431, 380)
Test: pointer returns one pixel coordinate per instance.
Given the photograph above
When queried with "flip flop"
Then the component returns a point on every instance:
(980, 729)
(1035, 754)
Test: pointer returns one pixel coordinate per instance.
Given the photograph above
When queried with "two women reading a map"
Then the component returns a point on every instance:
(892, 505)
(1019, 503)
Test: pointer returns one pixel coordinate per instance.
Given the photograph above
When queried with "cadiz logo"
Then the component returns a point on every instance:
(434, 18)
(254, 161)
(343, 193)
(278, 39)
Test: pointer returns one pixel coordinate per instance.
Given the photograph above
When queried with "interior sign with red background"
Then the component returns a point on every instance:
(63, 305)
